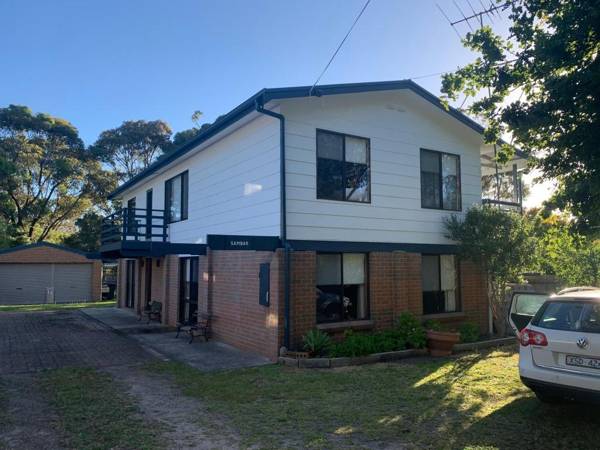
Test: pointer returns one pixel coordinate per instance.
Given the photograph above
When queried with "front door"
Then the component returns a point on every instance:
(149, 214)
(188, 288)
(148, 277)
(130, 283)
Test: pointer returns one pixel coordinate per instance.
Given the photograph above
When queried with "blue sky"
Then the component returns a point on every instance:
(98, 63)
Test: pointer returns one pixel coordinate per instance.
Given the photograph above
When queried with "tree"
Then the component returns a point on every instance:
(87, 236)
(561, 251)
(47, 177)
(133, 146)
(542, 85)
(500, 243)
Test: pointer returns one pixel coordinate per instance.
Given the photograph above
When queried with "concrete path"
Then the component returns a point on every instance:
(160, 340)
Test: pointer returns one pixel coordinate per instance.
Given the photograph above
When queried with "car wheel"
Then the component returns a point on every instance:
(545, 397)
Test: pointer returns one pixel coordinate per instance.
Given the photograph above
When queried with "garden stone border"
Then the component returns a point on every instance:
(327, 363)
(485, 344)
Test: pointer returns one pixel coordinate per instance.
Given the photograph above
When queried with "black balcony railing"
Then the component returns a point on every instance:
(134, 224)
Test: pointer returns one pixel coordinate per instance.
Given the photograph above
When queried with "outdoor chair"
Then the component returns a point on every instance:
(152, 311)
(195, 326)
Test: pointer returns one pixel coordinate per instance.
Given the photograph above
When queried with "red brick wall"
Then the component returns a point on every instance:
(303, 282)
(237, 317)
(170, 284)
(394, 288)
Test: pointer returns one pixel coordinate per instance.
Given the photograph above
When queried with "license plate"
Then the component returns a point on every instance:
(580, 361)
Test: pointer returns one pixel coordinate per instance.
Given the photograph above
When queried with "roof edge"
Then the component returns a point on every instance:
(17, 248)
(268, 94)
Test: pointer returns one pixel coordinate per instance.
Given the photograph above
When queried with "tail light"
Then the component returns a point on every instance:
(530, 337)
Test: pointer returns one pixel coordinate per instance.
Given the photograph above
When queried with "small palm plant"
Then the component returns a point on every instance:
(317, 343)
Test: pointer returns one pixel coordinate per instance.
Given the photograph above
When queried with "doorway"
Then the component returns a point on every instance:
(188, 288)
(130, 283)
(148, 281)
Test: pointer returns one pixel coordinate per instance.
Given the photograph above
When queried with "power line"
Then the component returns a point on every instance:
(340, 46)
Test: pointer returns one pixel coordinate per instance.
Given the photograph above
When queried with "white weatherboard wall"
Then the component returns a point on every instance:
(398, 123)
(233, 186)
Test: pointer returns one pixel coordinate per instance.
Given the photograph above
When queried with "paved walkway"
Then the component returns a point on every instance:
(30, 342)
(160, 339)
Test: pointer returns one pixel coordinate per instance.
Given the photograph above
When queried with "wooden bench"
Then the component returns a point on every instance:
(152, 311)
(198, 325)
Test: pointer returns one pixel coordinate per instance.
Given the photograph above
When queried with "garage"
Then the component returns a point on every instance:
(48, 273)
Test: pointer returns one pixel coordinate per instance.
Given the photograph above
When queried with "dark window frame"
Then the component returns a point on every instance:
(440, 155)
(184, 197)
(343, 135)
(459, 303)
(341, 286)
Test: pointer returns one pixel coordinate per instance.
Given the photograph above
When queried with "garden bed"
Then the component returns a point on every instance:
(327, 363)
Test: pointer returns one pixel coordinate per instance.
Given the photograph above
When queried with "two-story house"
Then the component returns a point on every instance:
(307, 208)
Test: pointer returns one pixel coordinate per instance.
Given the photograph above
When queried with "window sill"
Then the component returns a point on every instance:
(442, 316)
(350, 324)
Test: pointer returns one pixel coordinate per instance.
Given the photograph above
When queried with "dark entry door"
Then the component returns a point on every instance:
(148, 277)
(149, 214)
(130, 283)
(188, 288)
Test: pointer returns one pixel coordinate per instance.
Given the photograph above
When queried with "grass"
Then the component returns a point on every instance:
(475, 401)
(95, 414)
(55, 306)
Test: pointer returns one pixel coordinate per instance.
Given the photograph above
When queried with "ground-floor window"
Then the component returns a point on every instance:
(341, 287)
(439, 274)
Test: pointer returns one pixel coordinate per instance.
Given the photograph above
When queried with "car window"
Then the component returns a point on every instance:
(528, 304)
(570, 316)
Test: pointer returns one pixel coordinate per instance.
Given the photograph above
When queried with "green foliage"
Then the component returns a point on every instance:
(87, 236)
(550, 60)
(411, 331)
(133, 146)
(361, 344)
(563, 252)
(469, 332)
(433, 325)
(501, 243)
(47, 177)
(317, 343)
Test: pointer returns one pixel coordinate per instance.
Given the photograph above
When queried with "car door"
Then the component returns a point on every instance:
(523, 306)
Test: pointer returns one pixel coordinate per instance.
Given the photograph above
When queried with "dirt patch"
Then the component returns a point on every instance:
(29, 421)
(185, 422)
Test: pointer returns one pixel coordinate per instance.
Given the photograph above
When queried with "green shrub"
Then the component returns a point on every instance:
(411, 331)
(361, 344)
(469, 332)
(433, 325)
(317, 343)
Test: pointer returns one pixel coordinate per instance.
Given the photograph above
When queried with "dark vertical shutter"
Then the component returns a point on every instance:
(168, 200)
(264, 283)
(184, 195)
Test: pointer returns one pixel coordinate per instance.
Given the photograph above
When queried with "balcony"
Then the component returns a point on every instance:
(137, 232)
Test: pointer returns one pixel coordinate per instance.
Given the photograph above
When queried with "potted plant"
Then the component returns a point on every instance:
(439, 341)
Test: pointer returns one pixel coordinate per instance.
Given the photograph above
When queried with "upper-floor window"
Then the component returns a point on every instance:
(440, 180)
(343, 167)
(176, 198)
(440, 281)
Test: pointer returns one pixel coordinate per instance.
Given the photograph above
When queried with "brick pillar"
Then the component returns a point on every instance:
(408, 290)
(203, 284)
(97, 280)
(277, 293)
(381, 288)
(171, 290)
(303, 314)
(121, 276)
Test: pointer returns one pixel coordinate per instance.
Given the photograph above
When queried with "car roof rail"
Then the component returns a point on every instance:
(577, 289)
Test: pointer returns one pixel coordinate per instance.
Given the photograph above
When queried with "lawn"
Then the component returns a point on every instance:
(95, 413)
(55, 306)
(474, 401)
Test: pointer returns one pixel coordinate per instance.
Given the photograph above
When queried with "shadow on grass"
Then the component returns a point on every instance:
(476, 399)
